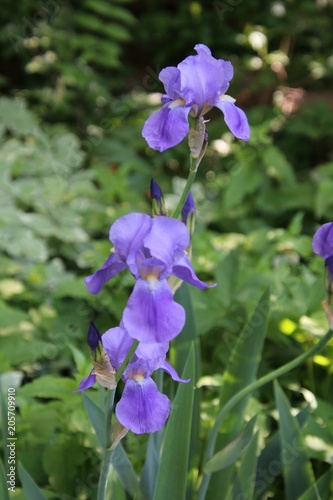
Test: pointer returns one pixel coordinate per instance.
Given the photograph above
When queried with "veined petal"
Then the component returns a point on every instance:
(167, 127)
(151, 315)
(127, 234)
(202, 77)
(172, 372)
(234, 117)
(142, 408)
(170, 77)
(167, 239)
(113, 265)
(322, 242)
(86, 382)
(117, 343)
(184, 271)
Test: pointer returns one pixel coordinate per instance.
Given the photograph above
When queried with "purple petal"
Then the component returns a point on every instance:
(167, 127)
(117, 343)
(172, 372)
(151, 314)
(188, 208)
(94, 337)
(235, 118)
(184, 271)
(153, 354)
(226, 65)
(142, 408)
(170, 77)
(322, 242)
(167, 239)
(111, 267)
(86, 383)
(127, 234)
(202, 77)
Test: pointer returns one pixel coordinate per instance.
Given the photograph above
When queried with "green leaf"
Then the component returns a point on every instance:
(3, 484)
(96, 417)
(297, 471)
(49, 386)
(172, 472)
(30, 488)
(277, 165)
(11, 316)
(321, 487)
(232, 451)
(244, 483)
(241, 371)
(270, 455)
(150, 468)
(125, 471)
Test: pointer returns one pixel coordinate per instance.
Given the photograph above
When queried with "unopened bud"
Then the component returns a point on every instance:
(158, 204)
(188, 213)
(104, 371)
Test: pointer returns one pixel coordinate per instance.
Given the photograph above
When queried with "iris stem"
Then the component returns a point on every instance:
(185, 193)
(107, 455)
(248, 390)
(108, 452)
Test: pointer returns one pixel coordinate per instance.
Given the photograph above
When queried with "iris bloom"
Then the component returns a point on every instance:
(152, 249)
(193, 87)
(142, 408)
(322, 245)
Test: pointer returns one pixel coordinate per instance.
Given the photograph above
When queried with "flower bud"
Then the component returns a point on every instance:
(188, 213)
(104, 371)
(158, 204)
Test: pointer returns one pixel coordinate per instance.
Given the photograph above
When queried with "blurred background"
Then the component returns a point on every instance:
(77, 80)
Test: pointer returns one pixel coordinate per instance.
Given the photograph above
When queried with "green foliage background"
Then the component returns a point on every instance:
(78, 79)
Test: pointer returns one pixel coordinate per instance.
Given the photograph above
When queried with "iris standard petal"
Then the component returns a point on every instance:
(128, 232)
(142, 408)
(234, 117)
(201, 78)
(172, 372)
(184, 271)
(322, 242)
(113, 265)
(170, 77)
(117, 343)
(167, 239)
(168, 126)
(87, 382)
(151, 314)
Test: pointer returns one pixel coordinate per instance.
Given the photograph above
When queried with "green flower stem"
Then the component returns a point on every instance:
(104, 476)
(248, 390)
(108, 452)
(185, 193)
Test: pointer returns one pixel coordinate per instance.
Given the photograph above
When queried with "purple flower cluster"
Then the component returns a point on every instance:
(142, 408)
(152, 249)
(192, 88)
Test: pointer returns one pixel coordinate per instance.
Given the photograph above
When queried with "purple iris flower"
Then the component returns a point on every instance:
(193, 87)
(142, 408)
(152, 249)
(322, 245)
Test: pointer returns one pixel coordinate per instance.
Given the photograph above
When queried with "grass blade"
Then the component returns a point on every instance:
(30, 488)
(241, 371)
(232, 451)
(96, 417)
(244, 483)
(298, 474)
(172, 472)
